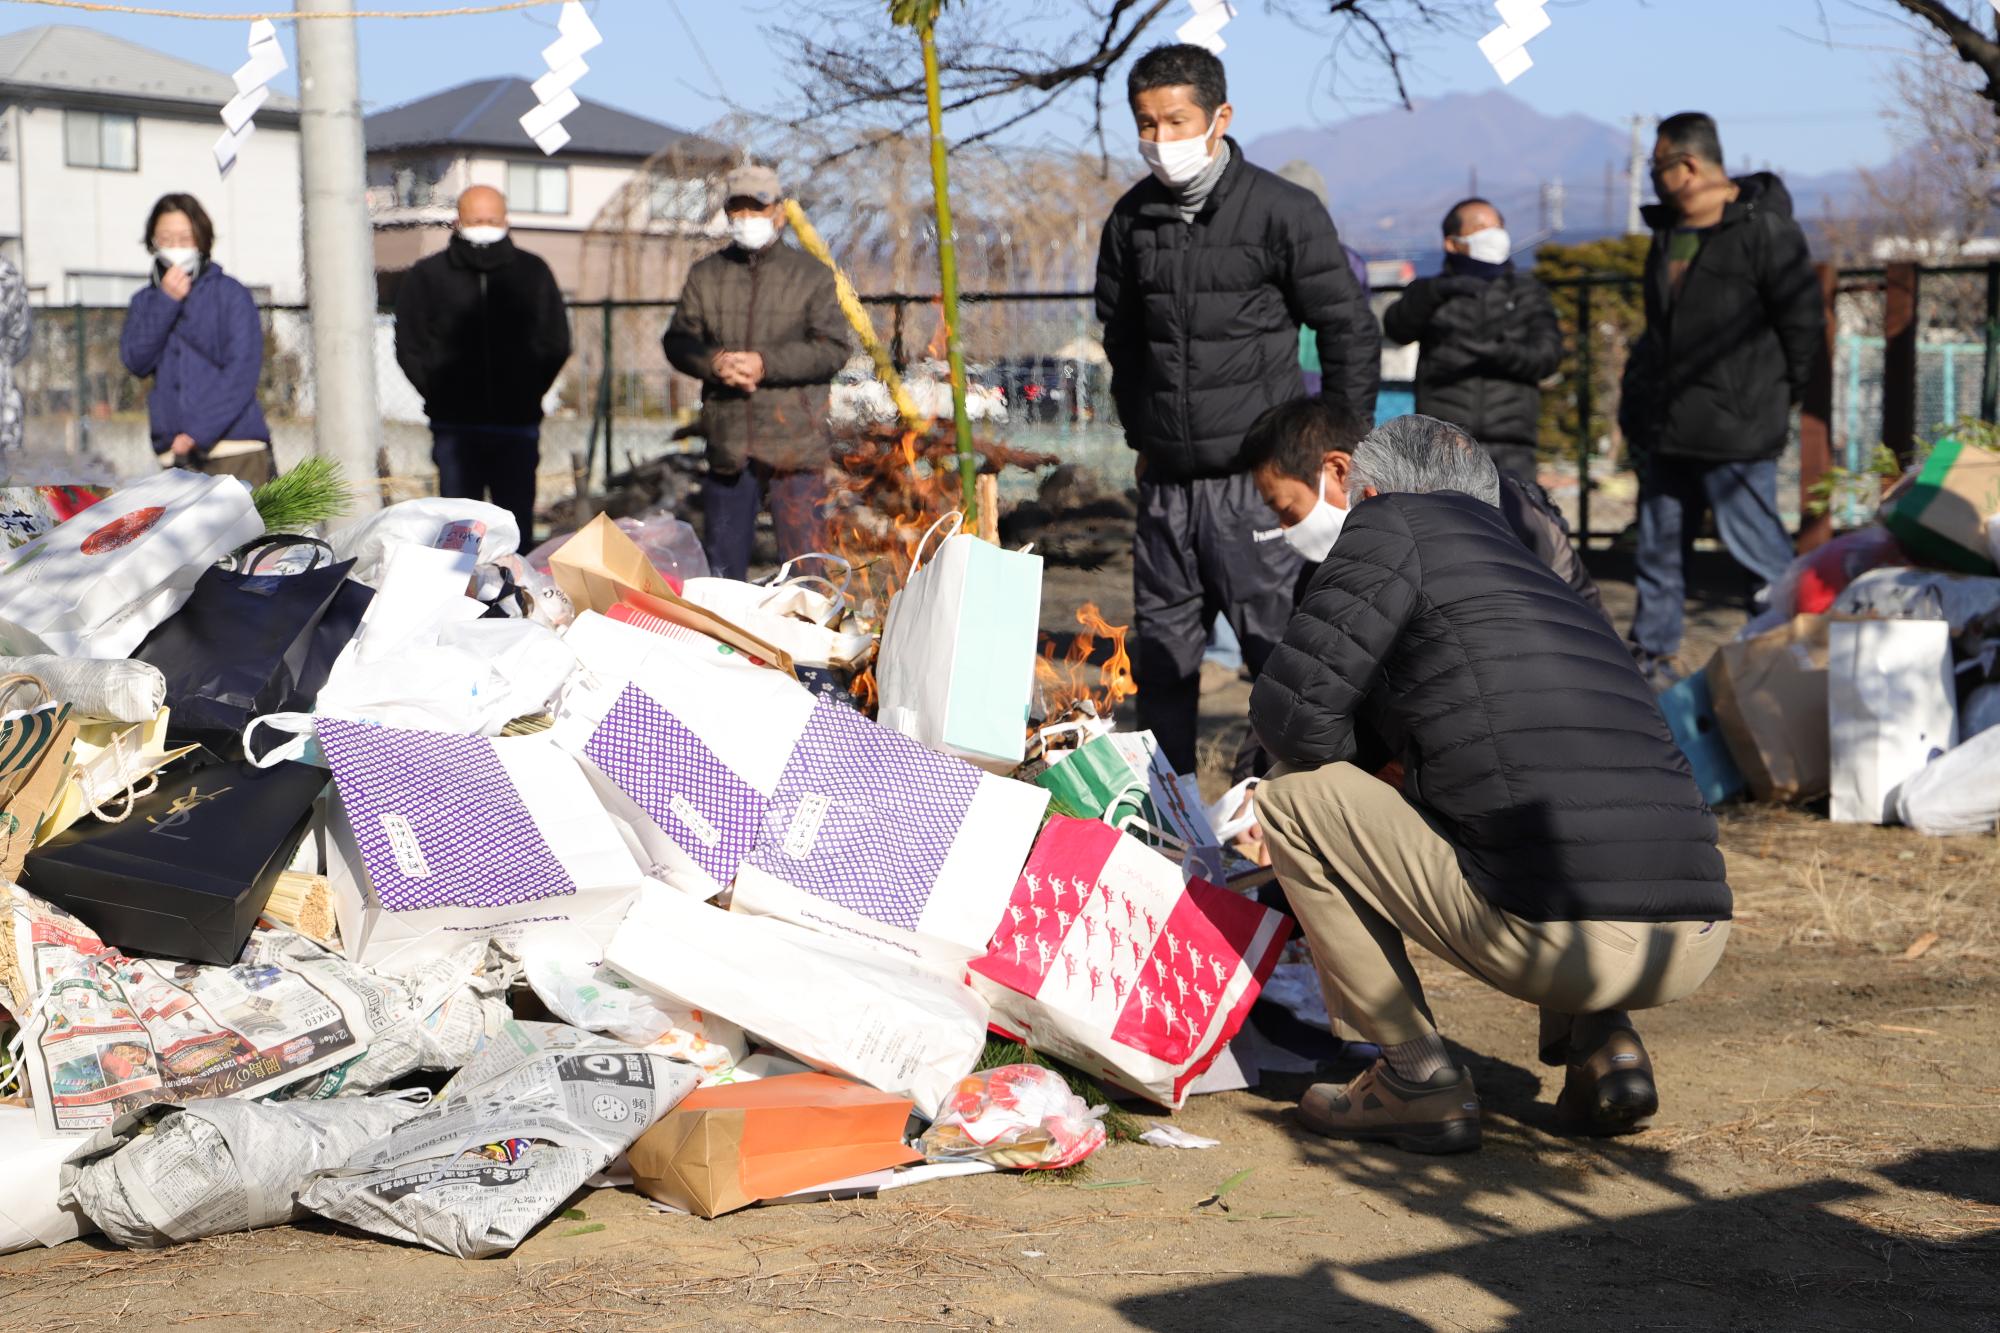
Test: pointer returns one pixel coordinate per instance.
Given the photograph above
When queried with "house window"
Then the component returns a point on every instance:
(103, 140)
(105, 289)
(533, 187)
(679, 200)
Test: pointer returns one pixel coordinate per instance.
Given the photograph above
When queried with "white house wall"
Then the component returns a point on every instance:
(84, 220)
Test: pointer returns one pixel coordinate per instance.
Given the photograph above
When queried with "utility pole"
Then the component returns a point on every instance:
(1635, 171)
(340, 249)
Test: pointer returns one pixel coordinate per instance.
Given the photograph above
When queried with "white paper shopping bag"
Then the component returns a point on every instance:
(95, 585)
(895, 1025)
(439, 838)
(30, 1213)
(1891, 709)
(958, 649)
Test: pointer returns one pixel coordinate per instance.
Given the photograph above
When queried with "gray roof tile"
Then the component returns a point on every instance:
(60, 58)
(487, 114)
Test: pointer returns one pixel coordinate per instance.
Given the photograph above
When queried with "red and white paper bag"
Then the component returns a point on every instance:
(1106, 960)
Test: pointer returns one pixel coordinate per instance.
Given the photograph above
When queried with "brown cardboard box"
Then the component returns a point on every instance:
(728, 1147)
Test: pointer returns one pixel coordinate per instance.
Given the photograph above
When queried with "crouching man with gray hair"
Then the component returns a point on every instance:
(1548, 839)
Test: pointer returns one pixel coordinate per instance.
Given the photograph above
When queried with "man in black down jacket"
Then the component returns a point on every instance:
(482, 332)
(1206, 271)
(1548, 839)
(1734, 322)
(1488, 337)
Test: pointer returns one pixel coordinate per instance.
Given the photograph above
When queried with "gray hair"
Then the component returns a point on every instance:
(1417, 455)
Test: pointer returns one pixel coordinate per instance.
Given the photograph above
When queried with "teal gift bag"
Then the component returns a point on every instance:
(957, 666)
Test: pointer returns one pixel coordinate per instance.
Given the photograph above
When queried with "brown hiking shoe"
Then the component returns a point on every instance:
(1610, 1090)
(1440, 1115)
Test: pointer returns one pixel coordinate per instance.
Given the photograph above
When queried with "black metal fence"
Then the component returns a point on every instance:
(1910, 351)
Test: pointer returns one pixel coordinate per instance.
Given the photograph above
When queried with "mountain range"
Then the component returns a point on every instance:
(1392, 174)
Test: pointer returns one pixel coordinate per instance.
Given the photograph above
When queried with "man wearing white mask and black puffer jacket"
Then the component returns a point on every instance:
(1489, 337)
(1206, 272)
(482, 333)
(759, 324)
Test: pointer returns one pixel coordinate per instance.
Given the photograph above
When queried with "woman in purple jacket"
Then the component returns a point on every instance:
(195, 331)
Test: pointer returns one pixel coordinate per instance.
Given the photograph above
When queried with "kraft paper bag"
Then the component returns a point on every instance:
(727, 1147)
(1770, 699)
(1940, 515)
(601, 567)
(958, 650)
(1891, 709)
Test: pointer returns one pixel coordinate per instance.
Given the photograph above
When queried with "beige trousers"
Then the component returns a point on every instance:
(1363, 869)
(251, 462)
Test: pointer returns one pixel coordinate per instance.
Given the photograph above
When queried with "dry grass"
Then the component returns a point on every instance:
(1803, 882)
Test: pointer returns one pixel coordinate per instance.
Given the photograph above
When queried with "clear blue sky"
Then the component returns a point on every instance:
(1761, 66)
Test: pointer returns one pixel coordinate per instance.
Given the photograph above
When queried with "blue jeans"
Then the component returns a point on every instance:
(729, 509)
(495, 463)
(1673, 494)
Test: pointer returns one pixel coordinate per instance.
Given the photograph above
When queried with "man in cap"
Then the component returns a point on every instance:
(759, 325)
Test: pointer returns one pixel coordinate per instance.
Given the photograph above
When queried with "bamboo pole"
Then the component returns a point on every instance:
(968, 461)
(858, 317)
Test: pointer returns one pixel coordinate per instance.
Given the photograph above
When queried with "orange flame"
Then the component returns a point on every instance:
(1065, 683)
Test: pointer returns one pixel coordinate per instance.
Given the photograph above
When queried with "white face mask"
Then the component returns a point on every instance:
(1314, 535)
(483, 235)
(1177, 161)
(183, 257)
(1492, 246)
(752, 232)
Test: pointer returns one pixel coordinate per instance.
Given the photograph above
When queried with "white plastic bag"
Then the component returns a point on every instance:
(1022, 1117)
(94, 586)
(31, 1209)
(786, 617)
(218, 1166)
(1958, 792)
(588, 994)
(119, 690)
(1891, 709)
(848, 1009)
(422, 523)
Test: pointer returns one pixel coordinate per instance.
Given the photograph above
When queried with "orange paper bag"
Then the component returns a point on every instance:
(728, 1147)
(601, 567)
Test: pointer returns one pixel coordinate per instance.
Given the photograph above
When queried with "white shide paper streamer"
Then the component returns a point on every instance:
(555, 95)
(267, 62)
(1205, 28)
(1506, 47)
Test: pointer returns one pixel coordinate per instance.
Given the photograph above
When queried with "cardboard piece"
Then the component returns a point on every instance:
(727, 1147)
(186, 875)
(1770, 699)
(601, 567)
(1940, 515)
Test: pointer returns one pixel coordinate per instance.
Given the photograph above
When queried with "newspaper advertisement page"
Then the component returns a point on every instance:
(539, 1111)
(105, 1034)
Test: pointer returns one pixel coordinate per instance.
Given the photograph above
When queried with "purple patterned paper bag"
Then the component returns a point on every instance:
(694, 798)
(438, 819)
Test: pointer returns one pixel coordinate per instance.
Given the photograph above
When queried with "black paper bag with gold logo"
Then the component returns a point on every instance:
(188, 872)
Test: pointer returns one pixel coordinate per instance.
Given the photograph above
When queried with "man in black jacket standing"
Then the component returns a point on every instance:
(1206, 271)
(482, 332)
(1487, 335)
(1734, 321)
(1548, 838)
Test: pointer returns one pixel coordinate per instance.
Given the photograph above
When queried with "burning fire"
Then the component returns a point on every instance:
(1065, 683)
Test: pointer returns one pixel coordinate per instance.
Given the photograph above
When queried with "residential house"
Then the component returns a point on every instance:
(94, 128)
(621, 211)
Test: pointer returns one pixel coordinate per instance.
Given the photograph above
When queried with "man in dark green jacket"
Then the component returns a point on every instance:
(760, 326)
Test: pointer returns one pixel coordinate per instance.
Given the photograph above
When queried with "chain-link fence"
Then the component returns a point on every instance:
(1040, 383)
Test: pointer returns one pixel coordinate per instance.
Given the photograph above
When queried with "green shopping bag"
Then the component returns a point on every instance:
(1940, 516)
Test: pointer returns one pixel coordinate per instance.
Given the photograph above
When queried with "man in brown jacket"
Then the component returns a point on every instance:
(759, 325)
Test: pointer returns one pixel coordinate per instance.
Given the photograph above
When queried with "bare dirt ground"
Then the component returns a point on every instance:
(1828, 1158)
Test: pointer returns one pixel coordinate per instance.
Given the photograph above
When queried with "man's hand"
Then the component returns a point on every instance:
(740, 370)
(175, 282)
(183, 444)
